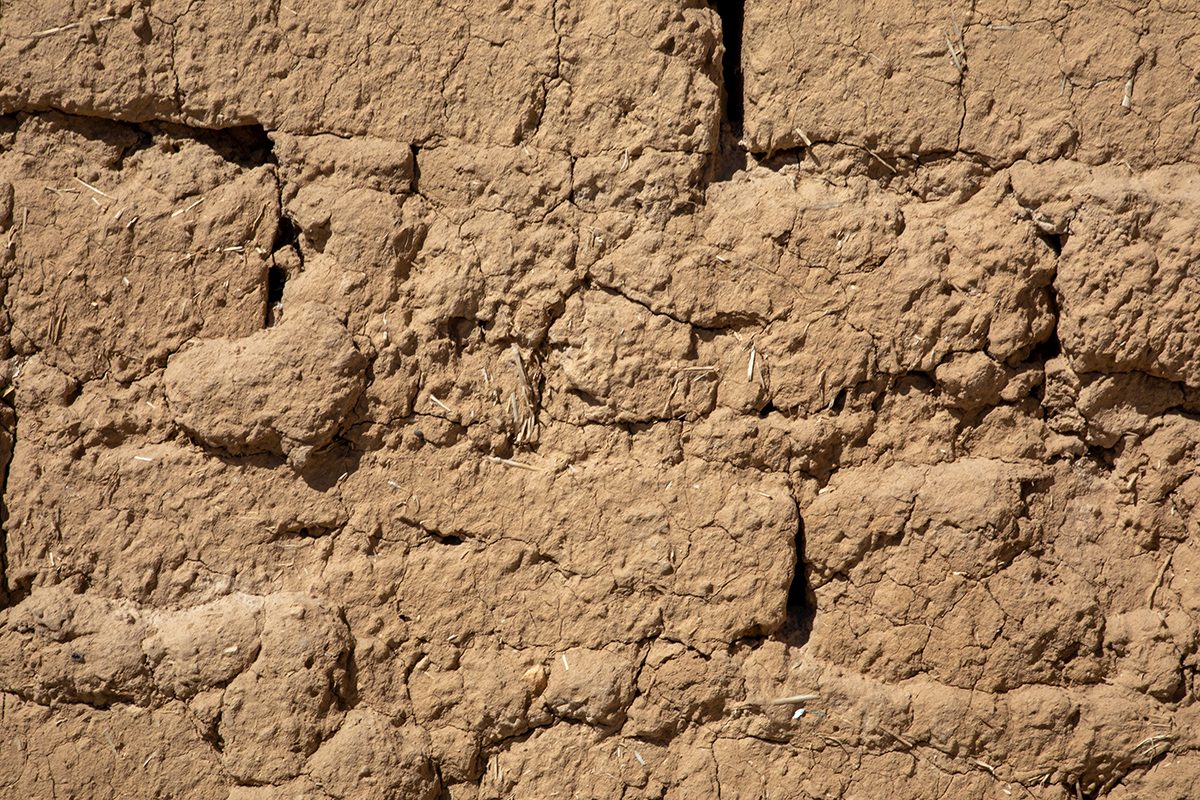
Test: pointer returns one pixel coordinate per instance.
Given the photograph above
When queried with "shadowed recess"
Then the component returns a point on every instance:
(731, 13)
(800, 606)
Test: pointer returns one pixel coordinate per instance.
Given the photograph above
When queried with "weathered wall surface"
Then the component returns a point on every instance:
(418, 401)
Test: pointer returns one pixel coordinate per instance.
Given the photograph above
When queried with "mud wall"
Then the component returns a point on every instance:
(655, 400)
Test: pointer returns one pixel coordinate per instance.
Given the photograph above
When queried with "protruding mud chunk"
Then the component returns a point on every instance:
(594, 686)
(971, 380)
(41, 385)
(276, 714)
(371, 757)
(286, 390)
(197, 649)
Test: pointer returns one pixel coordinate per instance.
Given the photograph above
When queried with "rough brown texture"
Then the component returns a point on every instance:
(286, 390)
(409, 400)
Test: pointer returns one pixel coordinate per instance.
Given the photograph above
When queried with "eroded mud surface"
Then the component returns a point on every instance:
(591, 399)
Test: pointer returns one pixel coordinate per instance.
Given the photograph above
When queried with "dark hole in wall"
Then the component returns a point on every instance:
(416, 170)
(1044, 351)
(838, 404)
(800, 601)
(8, 441)
(3, 555)
(276, 278)
(347, 691)
(248, 146)
(215, 739)
(287, 235)
(1055, 241)
(731, 13)
(1050, 347)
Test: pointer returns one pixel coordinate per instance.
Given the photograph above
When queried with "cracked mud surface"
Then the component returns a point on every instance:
(469, 402)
